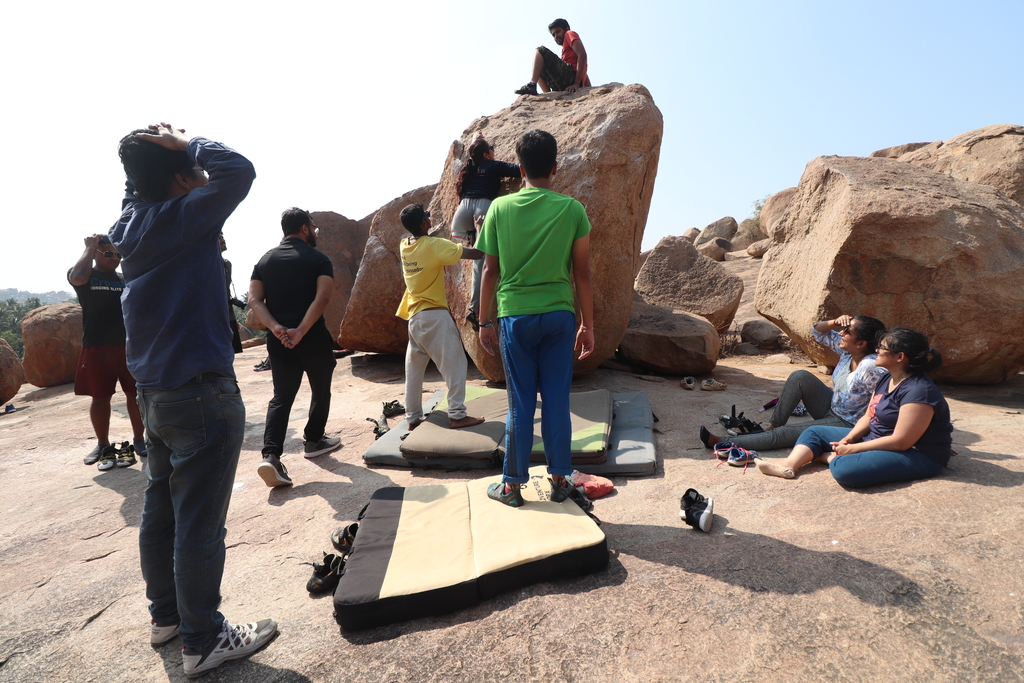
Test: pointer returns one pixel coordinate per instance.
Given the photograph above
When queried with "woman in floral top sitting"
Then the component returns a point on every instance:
(853, 381)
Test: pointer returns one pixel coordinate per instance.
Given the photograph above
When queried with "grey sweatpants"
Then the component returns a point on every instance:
(433, 336)
(464, 228)
(817, 398)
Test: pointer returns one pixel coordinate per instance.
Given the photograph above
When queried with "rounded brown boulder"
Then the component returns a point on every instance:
(12, 373)
(669, 341)
(675, 275)
(53, 341)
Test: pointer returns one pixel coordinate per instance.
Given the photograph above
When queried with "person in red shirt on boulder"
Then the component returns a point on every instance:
(551, 73)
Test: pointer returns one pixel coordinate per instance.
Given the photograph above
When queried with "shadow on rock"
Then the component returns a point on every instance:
(338, 493)
(246, 669)
(129, 482)
(383, 368)
(970, 466)
(764, 564)
(613, 575)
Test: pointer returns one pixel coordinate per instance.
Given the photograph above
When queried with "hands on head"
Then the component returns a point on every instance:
(93, 241)
(165, 135)
(842, 321)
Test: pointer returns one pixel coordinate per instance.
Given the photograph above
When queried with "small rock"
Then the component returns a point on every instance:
(746, 349)
(779, 358)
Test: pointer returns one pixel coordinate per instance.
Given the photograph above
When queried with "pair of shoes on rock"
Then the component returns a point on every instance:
(326, 574)
(233, 642)
(696, 510)
(688, 383)
(273, 472)
(343, 537)
(312, 449)
(712, 384)
(528, 89)
(726, 451)
(108, 458)
(513, 497)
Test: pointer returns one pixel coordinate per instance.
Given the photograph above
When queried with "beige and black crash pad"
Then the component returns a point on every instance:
(426, 550)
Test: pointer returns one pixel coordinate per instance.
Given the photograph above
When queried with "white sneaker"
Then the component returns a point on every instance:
(233, 642)
(158, 635)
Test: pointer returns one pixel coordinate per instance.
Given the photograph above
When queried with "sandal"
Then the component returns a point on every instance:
(712, 384)
(688, 383)
(392, 408)
(343, 537)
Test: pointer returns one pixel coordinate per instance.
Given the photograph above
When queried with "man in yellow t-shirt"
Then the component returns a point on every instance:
(432, 332)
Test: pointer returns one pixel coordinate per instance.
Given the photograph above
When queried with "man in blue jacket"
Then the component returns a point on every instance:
(180, 192)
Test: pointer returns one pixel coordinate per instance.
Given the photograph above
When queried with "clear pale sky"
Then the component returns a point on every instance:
(342, 109)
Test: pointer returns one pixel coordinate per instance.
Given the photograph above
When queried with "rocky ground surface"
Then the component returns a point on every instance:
(798, 580)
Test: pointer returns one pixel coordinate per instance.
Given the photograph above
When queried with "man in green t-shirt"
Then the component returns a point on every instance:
(531, 238)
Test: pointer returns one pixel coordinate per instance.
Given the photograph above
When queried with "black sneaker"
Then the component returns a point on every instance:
(514, 498)
(696, 510)
(273, 472)
(233, 642)
(262, 366)
(326, 576)
(311, 449)
(94, 455)
(528, 89)
(343, 537)
(108, 458)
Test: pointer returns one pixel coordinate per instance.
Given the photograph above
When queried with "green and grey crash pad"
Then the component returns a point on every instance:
(631, 450)
(591, 427)
(427, 550)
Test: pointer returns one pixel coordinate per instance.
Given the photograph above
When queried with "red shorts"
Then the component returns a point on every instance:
(99, 369)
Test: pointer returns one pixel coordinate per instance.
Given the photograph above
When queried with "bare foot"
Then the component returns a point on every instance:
(773, 469)
(416, 423)
(769, 428)
(464, 422)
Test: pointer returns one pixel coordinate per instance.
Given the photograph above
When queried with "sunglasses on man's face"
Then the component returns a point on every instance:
(108, 254)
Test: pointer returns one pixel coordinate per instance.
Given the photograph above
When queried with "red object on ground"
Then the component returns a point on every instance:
(593, 485)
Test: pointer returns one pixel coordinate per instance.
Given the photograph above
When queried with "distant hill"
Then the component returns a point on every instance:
(45, 298)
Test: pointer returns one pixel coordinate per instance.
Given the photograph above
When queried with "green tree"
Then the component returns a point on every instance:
(11, 313)
(758, 205)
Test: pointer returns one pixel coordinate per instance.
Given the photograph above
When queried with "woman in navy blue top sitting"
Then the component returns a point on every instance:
(905, 434)
(478, 185)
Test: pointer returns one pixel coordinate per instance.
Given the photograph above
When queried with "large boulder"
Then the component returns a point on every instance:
(773, 209)
(609, 139)
(993, 155)
(53, 341)
(675, 275)
(370, 323)
(12, 373)
(343, 240)
(910, 247)
(669, 341)
(723, 227)
(692, 234)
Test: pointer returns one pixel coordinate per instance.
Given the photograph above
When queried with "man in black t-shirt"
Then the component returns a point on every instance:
(289, 290)
(102, 361)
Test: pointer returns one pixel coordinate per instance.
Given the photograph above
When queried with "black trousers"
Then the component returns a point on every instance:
(314, 356)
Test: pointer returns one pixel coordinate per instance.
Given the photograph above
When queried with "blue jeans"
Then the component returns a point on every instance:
(194, 434)
(537, 352)
(870, 467)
